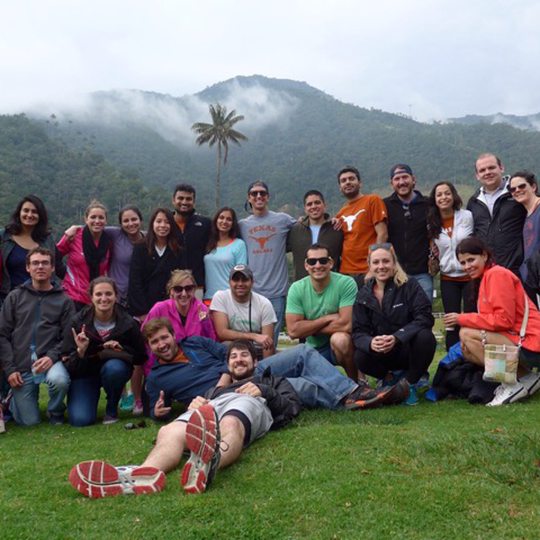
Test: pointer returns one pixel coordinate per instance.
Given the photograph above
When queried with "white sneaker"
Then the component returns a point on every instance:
(508, 393)
(531, 382)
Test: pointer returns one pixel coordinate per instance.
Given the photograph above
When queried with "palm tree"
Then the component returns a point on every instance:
(220, 131)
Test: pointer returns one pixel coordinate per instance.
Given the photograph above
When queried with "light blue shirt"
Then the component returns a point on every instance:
(218, 264)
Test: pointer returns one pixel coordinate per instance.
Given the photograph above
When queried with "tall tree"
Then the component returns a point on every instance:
(220, 131)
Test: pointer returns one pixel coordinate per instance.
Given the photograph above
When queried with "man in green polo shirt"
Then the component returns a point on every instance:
(319, 308)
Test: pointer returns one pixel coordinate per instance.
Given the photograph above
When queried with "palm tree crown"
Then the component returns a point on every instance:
(220, 131)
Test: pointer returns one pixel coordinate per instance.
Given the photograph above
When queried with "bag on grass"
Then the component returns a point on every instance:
(501, 361)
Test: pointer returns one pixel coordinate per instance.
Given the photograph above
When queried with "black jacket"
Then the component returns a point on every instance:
(126, 332)
(405, 311)
(193, 240)
(148, 276)
(282, 400)
(299, 239)
(409, 235)
(503, 232)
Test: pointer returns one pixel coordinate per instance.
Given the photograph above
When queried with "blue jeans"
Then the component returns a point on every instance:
(24, 402)
(84, 393)
(426, 282)
(278, 303)
(317, 382)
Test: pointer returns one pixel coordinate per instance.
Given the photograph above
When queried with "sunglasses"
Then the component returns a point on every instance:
(521, 187)
(407, 213)
(380, 245)
(261, 193)
(178, 289)
(312, 261)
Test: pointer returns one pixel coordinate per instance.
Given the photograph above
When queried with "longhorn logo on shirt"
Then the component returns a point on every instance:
(261, 240)
(349, 220)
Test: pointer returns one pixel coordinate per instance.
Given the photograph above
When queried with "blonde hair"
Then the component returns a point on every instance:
(177, 276)
(400, 277)
(94, 203)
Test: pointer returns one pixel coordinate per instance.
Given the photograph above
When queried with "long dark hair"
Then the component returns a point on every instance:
(434, 221)
(214, 233)
(41, 230)
(172, 239)
(475, 246)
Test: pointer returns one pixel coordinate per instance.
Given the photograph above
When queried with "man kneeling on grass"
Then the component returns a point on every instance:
(215, 429)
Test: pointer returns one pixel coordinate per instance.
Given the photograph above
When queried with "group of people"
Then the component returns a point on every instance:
(190, 310)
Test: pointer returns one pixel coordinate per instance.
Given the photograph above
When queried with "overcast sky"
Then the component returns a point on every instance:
(433, 59)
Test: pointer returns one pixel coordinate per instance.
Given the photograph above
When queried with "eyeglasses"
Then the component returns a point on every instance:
(312, 261)
(521, 187)
(178, 289)
(35, 264)
(261, 193)
(381, 245)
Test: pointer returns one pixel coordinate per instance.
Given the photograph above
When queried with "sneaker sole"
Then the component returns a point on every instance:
(201, 441)
(98, 479)
(534, 387)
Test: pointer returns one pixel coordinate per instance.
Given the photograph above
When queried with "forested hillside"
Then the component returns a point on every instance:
(66, 179)
(298, 138)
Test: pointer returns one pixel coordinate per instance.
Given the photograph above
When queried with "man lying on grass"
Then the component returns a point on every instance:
(215, 429)
(199, 364)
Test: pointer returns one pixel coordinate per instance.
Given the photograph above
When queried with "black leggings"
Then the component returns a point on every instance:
(454, 294)
(414, 356)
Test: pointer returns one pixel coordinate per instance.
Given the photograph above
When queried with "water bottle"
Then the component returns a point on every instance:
(38, 377)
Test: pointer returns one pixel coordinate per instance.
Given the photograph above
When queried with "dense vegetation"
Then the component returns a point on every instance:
(302, 148)
(66, 179)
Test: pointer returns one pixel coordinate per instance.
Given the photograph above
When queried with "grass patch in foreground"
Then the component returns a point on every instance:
(437, 471)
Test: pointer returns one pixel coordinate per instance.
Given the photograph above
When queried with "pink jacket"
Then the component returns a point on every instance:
(198, 322)
(77, 278)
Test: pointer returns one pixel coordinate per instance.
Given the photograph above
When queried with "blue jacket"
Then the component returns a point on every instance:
(186, 380)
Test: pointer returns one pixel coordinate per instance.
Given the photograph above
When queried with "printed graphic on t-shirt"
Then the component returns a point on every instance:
(262, 239)
(349, 220)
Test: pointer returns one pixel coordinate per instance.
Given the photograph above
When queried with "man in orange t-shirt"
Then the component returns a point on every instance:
(364, 223)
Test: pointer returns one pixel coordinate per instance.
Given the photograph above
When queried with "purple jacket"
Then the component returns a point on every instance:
(198, 323)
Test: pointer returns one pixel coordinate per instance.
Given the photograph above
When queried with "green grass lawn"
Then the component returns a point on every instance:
(434, 471)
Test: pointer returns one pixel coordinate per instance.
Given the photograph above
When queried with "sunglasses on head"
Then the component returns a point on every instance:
(312, 261)
(178, 289)
(256, 193)
(521, 187)
(380, 245)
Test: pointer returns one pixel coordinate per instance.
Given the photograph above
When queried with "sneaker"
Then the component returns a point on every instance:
(110, 419)
(202, 439)
(56, 419)
(138, 408)
(99, 479)
(531, 382)
(362, 397)
(508, 393)
(126, 402)
(412, 398)
(2, 424)
(424, 380)
(397, 393)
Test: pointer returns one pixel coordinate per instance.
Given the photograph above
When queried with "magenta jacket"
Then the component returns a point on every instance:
(77, 277)
(198, 322)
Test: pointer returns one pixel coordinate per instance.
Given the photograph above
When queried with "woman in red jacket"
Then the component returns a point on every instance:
(501, 306)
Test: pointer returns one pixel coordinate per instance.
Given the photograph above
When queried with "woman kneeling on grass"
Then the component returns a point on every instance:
(392, 323)
(100, 351)
(501, 306)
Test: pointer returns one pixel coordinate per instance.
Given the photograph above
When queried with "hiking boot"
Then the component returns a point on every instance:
(531, 382)
(202, 439)
(508, 393)
(99, 479)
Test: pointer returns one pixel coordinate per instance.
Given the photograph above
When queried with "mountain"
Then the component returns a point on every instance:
(530, 122)
(299, 137)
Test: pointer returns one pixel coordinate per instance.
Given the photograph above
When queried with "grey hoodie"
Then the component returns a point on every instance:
(27, 316)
